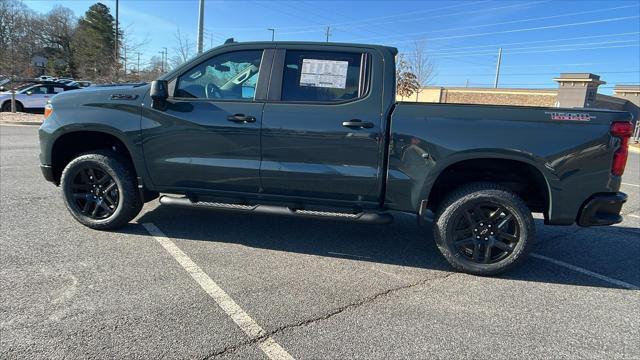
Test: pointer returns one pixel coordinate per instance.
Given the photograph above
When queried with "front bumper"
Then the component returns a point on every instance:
(47, 172)
(602, 209)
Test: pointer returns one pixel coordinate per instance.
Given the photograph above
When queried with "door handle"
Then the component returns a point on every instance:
(356, 123)
(241, 118)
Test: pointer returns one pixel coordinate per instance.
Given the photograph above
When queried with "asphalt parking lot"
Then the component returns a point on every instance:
(213, 285)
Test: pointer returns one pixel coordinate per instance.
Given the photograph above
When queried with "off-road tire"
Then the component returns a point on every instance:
(463, 200)
(121, 171)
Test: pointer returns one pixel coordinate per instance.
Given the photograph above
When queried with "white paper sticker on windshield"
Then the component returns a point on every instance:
(324, 73)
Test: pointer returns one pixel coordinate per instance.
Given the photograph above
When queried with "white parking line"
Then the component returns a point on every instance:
(271, 348)
(634, 216)
(628, 184)
(586, 272)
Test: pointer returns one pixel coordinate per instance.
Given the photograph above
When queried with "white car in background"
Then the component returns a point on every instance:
(32, 96)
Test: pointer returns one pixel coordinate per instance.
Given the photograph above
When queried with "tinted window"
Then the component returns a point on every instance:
(320, 76)
(40, 90)
(230, 76)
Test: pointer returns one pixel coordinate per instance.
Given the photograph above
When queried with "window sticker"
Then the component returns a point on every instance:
(324, 73)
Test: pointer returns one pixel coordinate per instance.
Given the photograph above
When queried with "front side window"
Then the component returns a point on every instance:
(229, 76)
(37, 90)
(321, 76)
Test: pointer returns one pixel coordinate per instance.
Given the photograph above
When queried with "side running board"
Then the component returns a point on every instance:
(362, 217)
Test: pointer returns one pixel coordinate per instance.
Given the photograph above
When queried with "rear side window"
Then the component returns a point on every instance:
(321, 76)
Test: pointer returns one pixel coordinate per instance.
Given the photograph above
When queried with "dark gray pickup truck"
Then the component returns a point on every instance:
(314, 130)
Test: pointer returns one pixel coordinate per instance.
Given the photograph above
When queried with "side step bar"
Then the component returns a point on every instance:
(362, 217)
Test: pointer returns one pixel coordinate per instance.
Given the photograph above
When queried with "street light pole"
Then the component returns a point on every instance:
(273, 34)
(495, 83)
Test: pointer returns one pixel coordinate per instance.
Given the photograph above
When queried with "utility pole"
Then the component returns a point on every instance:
(495, 83)
(328, 32)
(166, 59)
(161, 61)
(138, 67)
(200, 26)
(273, 34)
(116, 43)
(125, 63)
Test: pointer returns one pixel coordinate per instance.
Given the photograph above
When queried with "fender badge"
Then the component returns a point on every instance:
(571, 116)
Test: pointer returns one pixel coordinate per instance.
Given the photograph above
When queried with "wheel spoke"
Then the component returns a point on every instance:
(464, 242)
(507, 236)
(92, 176)
(487, 253)
(496, 214)
(106, 207)
(469, 218)
(502, 246)
(95, 209)
(476, 252)
(110, 201)
(79, 196)
(505, 221)
(463, 233)
(104, 179)
(85, 208)
(110, 187)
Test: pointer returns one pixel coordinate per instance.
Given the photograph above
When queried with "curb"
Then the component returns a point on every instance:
(20, 123)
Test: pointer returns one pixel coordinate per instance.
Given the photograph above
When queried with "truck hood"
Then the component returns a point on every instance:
(101, 96)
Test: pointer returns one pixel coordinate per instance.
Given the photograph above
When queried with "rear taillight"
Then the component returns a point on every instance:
(623, 131)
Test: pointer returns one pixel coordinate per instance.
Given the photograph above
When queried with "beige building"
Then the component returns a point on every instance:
(574, 90)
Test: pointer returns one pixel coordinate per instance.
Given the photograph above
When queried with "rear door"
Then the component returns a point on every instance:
(322, 127)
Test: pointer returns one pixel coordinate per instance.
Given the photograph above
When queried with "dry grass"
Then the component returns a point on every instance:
(20, 117)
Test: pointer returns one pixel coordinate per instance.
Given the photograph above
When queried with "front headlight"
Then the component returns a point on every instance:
(48, 109)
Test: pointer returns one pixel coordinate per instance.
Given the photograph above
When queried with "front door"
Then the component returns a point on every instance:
(208, 137)
(322, 134)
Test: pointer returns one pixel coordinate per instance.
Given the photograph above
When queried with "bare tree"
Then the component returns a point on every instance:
(129, 48)
(57, 29)
(184, 49)
(406, 83)
(421, 66)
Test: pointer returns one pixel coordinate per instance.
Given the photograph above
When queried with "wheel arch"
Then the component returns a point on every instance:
(519, 174)
(69, 144)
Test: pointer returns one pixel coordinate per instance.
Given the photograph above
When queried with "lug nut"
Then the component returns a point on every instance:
(481, 224)
(492, 233)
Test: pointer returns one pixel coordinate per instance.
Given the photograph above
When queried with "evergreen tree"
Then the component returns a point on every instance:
(94, 43)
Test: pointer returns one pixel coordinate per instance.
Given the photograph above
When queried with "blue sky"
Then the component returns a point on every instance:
(540, 39)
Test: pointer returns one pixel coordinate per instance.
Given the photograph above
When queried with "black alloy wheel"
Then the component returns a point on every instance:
(484, 229)
(486, 233)
(100, 189)
(94, 192)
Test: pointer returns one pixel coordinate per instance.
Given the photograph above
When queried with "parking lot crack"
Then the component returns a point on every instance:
(326, 316)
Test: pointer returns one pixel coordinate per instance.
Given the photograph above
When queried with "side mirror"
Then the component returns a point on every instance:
(159, 93)
(29, 93)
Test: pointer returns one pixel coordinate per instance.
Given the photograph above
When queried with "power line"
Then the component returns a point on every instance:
(364, 19)
(512, 21)
(539, 41)
(486, 52)
(537, 51)
(351, 24)
(600, 21)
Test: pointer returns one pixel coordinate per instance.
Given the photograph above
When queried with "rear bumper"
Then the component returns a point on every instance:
(47, 172)
(602, 209)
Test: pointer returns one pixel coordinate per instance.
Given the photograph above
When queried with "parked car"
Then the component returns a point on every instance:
(46, 78)
(84, 83)
(32, 96)
(314, 130)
